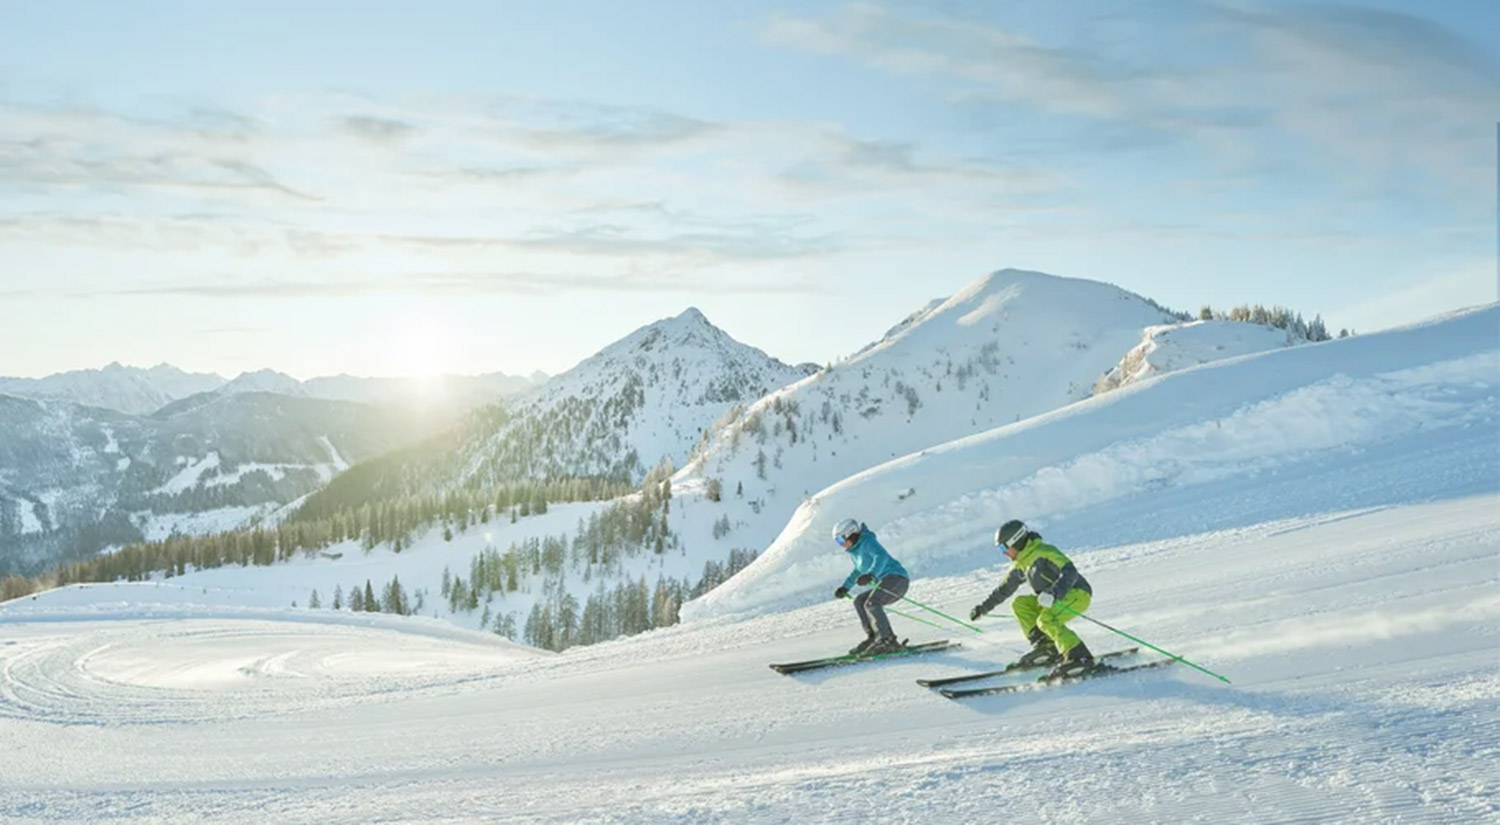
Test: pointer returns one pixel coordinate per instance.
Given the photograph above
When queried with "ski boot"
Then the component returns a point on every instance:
(1043, 652)
(860, 648)
(887, 644)
(1076, 662)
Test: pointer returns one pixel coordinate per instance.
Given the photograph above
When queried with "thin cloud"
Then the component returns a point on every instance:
(374, 128)
(1378, 92)
(485, 283)
(852, 165)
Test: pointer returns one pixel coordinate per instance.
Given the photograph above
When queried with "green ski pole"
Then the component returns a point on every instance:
(907, 616)
(1146, 643)
(931, 609)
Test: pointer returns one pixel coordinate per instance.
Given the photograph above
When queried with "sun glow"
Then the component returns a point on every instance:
(422, 350)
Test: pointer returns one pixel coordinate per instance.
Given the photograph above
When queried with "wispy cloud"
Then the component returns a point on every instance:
(378, 129)
(1378, 92)
(448, 283)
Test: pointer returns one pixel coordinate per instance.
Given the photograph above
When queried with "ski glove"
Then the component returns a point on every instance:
(842, 592)
(1045, 599)
(864, 579)
(976, 613)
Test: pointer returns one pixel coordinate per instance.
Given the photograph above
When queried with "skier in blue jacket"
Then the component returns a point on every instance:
(872, 566)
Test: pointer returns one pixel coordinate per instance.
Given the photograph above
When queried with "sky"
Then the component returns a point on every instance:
(408, 188)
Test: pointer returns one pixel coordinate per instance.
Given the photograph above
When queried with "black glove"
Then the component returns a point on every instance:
(975, 613)
(864, 579)
(841, 593)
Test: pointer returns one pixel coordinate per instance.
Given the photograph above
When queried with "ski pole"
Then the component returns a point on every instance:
(907, 616)
(1144, 642)
(931, 609)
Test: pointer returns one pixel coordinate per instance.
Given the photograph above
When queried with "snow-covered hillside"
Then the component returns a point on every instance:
(1171, 347)
(1135, 464)
(115, 387)
(1008, 346)
(75, 479)
(645, 398)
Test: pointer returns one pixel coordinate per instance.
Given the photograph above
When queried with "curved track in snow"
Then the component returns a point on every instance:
(202, 670)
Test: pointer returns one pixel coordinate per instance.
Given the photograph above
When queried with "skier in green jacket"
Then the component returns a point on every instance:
(1061, 593)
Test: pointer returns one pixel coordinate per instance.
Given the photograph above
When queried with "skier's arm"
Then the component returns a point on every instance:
(1007, 586)
(849, 581)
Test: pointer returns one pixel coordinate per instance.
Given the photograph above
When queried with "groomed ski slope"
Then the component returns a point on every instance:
(1362, 646)
(1350, 591)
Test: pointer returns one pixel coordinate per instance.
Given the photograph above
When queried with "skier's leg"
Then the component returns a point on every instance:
(1026, 609)
(891, 589)
(861, 606)
(1052, 620)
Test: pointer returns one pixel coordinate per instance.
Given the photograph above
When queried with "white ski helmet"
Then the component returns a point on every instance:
(844, 529)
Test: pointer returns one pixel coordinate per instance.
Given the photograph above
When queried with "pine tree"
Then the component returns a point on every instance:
(338, 597)
(371, 605)
(313, 601)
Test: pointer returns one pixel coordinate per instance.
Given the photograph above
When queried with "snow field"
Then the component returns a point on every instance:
(1364, 689)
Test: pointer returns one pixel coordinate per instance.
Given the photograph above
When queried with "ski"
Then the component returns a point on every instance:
(1011, 668)
(847, 659)
(1046, 682)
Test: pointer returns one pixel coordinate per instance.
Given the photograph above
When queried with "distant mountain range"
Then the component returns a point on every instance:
(140, 391)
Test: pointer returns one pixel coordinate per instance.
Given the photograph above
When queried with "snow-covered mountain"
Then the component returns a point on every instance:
(126, 389)
(1008, 346)
(74, 479)
(1172, 347)
(264, 380)
(648, 397)
(1120, 466)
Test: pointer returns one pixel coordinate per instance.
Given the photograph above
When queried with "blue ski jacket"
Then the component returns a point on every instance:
(869, 557)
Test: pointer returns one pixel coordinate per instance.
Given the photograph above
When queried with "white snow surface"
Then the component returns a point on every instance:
(1321, 525)
(1359, 644)
(30, 522)
(187, 477)
(160, 526)
(1171, 347)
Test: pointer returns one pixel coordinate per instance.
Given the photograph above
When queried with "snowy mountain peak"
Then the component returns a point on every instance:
(265, 380)
(1007, 346)
(647, 396)
(688, 329)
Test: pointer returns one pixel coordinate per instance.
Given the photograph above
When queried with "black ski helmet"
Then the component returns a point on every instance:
(1010, 531)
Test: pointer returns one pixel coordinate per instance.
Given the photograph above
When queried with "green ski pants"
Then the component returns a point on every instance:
(1031, 614)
